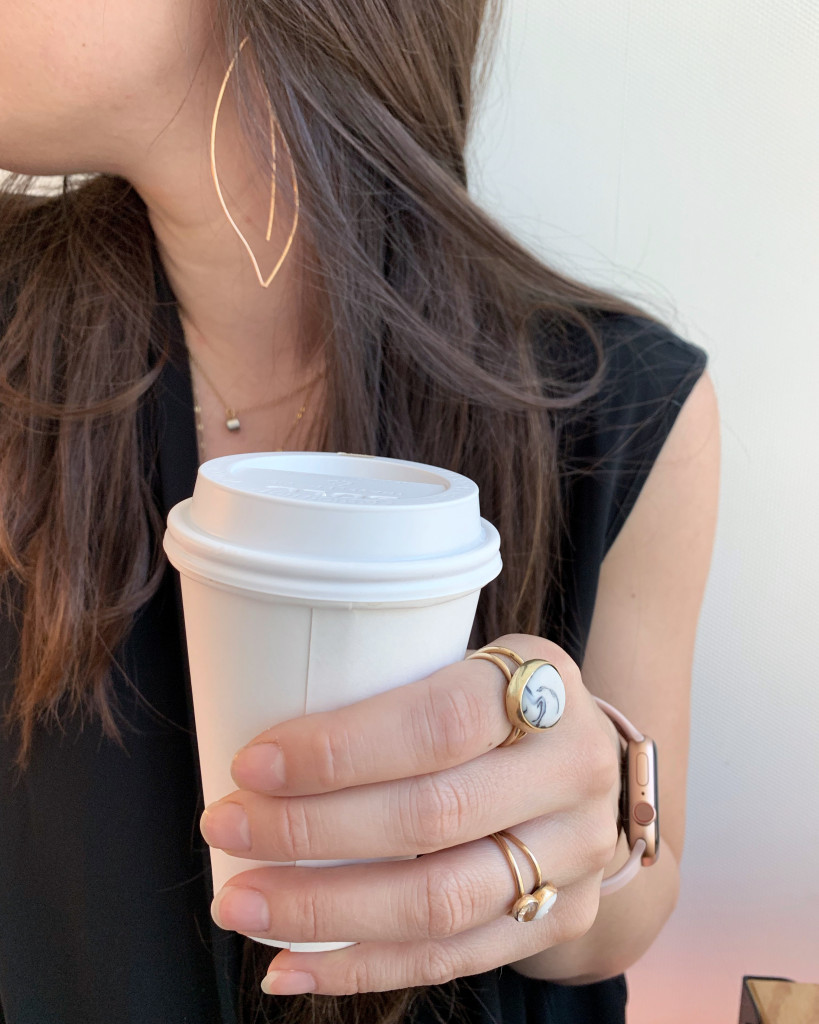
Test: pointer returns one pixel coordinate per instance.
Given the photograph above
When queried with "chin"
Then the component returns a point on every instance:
(26, 152)
(29, 166)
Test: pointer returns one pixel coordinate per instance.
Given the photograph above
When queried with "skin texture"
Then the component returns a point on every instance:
(126, 88)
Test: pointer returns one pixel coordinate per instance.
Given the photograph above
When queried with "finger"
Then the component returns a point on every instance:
(435, 896)
(384, 966)
(445, 719)
(540, 775)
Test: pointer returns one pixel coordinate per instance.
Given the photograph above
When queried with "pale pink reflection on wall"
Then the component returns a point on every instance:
(693, 973)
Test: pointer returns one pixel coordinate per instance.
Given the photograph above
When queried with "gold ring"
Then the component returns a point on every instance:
(484, 655)
(528, 906)
(535, 694)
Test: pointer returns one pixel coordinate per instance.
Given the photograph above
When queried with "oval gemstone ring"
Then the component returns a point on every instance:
(535, 694)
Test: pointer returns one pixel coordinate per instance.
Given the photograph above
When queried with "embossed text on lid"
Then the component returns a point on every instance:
(322, 487)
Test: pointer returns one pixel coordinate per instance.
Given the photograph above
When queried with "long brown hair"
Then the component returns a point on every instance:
(433, 307)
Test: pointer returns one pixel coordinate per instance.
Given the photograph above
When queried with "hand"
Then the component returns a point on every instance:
(416, 771)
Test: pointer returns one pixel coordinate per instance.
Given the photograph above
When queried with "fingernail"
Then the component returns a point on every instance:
(226, 827)
(288, 983)
(259, 767)
(241, 910)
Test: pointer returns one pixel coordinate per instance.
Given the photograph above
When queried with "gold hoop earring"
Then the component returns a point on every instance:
(264, 282)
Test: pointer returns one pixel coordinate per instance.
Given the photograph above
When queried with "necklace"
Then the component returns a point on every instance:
(232, 422)
(232, 415)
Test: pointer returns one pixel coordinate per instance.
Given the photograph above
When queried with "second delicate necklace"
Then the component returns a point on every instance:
(231, 414)
(232, 421)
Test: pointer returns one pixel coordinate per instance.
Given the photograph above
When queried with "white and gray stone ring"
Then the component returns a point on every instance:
(535, 694)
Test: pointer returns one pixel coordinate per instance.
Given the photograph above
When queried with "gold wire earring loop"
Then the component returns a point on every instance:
(264, 282)
(273, 175)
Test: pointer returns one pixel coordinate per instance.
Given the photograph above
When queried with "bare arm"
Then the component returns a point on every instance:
(639, 658)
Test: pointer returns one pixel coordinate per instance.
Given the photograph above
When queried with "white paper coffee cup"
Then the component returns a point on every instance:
(311, 581)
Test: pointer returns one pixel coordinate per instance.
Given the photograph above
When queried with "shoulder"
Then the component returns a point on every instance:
(637, 374)
(644, 369)
(648, 367)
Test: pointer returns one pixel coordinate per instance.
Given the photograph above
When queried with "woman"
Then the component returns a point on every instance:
(277, 237)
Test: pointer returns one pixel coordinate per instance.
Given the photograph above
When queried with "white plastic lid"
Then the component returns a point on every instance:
(337, 527)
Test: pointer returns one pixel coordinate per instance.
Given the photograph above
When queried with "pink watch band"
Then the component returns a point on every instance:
(625, 874)
(627, 730)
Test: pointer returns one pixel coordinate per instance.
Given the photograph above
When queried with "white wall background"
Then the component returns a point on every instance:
(671, 150)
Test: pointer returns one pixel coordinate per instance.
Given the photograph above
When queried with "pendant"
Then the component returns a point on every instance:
(232, 420)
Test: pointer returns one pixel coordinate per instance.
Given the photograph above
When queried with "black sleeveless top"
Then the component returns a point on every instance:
(104, 877)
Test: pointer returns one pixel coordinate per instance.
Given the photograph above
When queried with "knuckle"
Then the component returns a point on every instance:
(594, 835)
(588, 909)
(608, 767)
(548, 650)
(308, 914)
(295, 829)
(448, 905)
(449, 721)
(600, 765)
(437, 964)
(567, 667)
(582, 914)
(331, 758)
(602, 843)
(437, 811)
(357, 978)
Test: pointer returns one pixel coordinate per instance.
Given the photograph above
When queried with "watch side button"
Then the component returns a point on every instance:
(642, 769)
(643, 814)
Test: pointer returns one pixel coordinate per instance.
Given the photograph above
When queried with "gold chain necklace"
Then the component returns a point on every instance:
(232, 422)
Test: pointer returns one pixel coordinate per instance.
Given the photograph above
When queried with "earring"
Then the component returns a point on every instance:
(264, 282)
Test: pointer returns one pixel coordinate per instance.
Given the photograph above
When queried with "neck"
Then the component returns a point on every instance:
(247, 336)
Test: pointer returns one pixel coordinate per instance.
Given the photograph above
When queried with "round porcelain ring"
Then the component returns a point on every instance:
(536, 696)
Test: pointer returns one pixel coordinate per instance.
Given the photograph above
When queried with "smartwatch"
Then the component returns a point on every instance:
(638, 800)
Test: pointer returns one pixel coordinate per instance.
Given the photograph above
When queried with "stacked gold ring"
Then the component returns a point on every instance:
(518, 692)
(528, 906)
